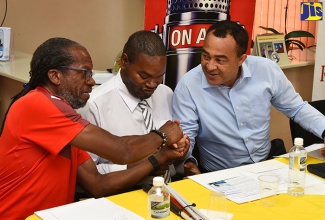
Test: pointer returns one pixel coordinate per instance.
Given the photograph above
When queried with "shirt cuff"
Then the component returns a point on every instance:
(191, 159)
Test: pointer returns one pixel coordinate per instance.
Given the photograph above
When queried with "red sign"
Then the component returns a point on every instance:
(241, 11)
(187, 36)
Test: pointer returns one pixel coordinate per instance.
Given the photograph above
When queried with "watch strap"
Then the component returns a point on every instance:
(154, 162)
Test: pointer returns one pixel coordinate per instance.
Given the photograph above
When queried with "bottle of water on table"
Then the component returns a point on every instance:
(158, 200)
(297, 168)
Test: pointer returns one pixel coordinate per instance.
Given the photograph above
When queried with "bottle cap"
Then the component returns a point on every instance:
(299, 141)
(158, 181)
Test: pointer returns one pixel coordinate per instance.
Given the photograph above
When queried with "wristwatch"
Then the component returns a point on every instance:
(154, 162)
(162, 135)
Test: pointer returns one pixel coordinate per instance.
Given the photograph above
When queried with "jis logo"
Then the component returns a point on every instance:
(311, 11)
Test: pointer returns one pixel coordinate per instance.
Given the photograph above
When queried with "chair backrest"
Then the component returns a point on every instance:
(298, 131)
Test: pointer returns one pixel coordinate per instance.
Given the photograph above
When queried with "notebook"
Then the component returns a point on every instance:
(317, 169)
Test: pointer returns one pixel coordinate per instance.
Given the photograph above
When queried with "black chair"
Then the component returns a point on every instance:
(277, 148)
(298, 131)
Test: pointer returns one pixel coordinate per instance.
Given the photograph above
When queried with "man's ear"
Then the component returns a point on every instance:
(54, 76)
(124, 60)
(242, 58)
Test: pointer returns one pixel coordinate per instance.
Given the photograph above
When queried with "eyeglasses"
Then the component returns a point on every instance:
(87, 72)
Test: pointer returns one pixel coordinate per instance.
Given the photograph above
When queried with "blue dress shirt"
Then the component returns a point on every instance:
(232, 125)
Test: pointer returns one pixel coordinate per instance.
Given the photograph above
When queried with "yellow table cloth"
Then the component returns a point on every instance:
(286, 207)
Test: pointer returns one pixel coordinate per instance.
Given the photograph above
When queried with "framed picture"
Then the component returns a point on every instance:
(271, 46)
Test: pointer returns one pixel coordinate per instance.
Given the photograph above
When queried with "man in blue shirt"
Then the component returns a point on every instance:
(224, 103)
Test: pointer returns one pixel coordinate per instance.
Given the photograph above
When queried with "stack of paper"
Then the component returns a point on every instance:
(89, 209)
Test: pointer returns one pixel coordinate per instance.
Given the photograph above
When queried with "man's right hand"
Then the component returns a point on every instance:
(190, 169)
(168, 155)
(173, 131)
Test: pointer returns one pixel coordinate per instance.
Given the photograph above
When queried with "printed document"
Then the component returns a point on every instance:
(241, 184)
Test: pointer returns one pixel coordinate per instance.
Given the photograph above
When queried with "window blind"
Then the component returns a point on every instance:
(271, 13)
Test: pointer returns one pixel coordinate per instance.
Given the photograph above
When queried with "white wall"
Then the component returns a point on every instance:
(102, 26)
(319, 86)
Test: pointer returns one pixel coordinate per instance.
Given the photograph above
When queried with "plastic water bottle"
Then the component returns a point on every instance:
(297, 168)
(158, 200)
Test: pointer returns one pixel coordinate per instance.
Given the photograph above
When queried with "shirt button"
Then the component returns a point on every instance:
(237, 107)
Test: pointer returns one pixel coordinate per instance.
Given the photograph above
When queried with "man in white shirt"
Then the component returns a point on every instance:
(114, 104)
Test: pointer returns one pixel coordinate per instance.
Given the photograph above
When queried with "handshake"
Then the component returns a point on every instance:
(174, 145)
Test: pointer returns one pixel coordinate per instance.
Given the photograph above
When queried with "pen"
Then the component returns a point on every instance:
(179, 211)
(185, 205)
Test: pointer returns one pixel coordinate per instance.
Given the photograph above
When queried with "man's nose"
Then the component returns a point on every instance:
(211, 66)
(153, 83)
(91, 81)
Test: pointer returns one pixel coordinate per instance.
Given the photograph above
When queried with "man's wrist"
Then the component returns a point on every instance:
(162, 135)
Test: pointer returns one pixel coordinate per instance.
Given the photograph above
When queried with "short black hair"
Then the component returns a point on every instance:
(226, 27)
(144, 42)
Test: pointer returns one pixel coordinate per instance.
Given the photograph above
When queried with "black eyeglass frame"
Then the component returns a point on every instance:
(87, 72)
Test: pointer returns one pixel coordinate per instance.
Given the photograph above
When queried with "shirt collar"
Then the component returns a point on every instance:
(131, 101)
(245, 71)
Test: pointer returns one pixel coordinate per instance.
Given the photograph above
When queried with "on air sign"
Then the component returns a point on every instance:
(187, 36)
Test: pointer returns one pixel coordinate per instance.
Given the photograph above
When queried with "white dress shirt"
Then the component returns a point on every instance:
(113, 108)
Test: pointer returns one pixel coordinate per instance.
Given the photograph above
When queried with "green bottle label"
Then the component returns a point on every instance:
(160, 209)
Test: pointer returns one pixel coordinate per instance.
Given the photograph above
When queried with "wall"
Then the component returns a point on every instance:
(319, 74)
(102, 26)
(8, 89)
(302, 80)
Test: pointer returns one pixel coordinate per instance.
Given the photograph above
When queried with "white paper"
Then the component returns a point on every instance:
(312, 150)
(315, 151)
(89, 209)
(263, 166)
(241, 184)
(239, 189)
(205, 211)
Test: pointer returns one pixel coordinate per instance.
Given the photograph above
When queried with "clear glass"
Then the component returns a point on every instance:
(217, 208)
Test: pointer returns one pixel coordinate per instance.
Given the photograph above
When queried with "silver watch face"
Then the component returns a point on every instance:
(165, 138)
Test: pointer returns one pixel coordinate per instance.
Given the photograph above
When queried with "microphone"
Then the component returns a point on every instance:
(183, 33)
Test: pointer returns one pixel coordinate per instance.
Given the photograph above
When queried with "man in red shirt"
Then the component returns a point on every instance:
(43, 140)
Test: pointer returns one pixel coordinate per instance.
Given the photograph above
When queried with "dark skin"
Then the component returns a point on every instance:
(142, 76)
(71, 85)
